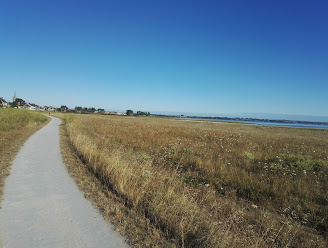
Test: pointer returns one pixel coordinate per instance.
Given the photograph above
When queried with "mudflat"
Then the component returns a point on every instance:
(42, 206)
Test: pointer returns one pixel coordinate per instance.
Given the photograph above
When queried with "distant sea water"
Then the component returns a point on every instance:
(277, 124)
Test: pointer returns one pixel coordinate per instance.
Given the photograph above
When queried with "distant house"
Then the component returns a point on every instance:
(51, 109)
(64, 109)
(26, 106)
(4, 103)
(31, 106)
(116, 113)
(46, 108)
(35, 106)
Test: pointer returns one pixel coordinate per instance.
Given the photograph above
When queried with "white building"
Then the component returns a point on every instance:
(3, 103)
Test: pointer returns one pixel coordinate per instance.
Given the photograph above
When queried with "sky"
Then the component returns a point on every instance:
(207, 57)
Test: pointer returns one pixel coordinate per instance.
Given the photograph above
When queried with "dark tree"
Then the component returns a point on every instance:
(129, 112)
(91, 110)
(18, 102)
(141, 113)
(63, 108)
(78, 109)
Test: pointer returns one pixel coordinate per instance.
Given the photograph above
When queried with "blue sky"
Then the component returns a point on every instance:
(222, 57)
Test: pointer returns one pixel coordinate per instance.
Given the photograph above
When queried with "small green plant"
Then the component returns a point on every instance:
(248, 155)
(174, 149)
(187, 149)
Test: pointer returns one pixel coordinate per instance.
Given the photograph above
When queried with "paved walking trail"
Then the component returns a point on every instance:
(42, 206)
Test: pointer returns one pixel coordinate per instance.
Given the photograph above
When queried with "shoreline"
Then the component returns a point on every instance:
(259, 123)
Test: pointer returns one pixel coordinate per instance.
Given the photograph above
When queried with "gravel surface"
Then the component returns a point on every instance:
(42, 206)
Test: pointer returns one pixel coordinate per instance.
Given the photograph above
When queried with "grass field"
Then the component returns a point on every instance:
(205, 184)
(15, 127)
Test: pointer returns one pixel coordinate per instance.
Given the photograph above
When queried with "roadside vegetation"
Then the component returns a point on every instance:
(16, 126)
(206, 184)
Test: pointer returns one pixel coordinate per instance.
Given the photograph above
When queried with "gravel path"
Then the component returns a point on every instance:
(42, 206)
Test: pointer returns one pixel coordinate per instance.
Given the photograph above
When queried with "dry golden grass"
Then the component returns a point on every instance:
(135, 227)
(212, 184)
(15, 127)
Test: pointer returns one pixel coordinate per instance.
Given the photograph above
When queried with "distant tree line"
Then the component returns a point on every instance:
(85, 110)
(139, 113)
